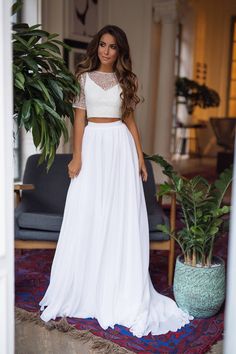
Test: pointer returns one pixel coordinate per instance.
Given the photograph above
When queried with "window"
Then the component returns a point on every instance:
(231, 102)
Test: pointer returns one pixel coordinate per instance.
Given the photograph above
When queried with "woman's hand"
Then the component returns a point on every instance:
(74, 167)
(143, 169)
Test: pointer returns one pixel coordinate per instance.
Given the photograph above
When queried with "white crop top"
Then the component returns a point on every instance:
(99, 95)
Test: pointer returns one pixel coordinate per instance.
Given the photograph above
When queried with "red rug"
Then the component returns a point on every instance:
(32, 278)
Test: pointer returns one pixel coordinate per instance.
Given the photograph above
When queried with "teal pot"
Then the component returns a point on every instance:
(199, 290)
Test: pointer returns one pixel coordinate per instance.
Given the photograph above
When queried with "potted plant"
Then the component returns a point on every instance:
(191, 94)
(43, 86)
(199, 280)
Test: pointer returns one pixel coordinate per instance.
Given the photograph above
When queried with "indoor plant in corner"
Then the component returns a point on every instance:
(43, 86)
(199, 280)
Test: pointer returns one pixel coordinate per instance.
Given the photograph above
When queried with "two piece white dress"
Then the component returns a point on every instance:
(100, 267)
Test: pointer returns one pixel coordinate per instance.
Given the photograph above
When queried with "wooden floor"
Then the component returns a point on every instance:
(197, 165)
(33, 339)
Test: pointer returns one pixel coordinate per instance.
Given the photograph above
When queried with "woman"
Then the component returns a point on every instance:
(100, 267)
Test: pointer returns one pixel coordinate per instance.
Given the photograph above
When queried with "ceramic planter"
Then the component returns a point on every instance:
(200, 290)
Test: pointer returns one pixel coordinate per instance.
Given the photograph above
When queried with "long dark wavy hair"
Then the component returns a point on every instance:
(122, 67)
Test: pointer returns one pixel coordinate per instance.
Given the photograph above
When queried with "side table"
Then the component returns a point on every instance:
(187, 142)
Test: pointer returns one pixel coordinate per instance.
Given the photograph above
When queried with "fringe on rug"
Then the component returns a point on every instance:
(99, 345)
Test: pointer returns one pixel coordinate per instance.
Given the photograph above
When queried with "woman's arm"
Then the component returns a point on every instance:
(78, 131)
(131, 124)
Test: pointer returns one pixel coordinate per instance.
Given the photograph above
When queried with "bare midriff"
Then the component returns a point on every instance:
(103, 120)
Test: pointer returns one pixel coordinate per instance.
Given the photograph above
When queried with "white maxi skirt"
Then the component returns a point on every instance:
(100, 267)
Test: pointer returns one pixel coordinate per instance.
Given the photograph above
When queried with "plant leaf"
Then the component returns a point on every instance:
(36, 132)
(56, 88)
(16, 7)
(51, 111)
(21, 40)
(25, 112)
(164, 228)
(31, 63)
(50, 46)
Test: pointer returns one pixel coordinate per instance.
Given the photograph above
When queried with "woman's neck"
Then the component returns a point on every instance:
(106, 69)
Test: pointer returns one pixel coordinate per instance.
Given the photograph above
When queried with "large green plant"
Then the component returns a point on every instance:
(201, 211)
(43, 87)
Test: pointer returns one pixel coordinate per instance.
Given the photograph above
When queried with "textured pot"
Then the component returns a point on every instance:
(200, 291)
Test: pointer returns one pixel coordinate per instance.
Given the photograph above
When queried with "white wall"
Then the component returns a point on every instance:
(135, 18)
(53, 17)
(6, 184)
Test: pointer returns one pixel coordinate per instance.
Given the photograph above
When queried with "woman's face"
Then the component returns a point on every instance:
(107, 50)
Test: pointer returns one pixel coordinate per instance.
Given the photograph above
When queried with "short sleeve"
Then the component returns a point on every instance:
(79, 101)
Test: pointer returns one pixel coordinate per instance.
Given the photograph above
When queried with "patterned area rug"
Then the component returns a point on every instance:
(32, 278)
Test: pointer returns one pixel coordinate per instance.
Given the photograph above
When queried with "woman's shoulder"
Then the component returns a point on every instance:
(82, 77)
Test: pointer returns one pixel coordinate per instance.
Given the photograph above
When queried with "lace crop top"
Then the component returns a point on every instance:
(99, 95)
